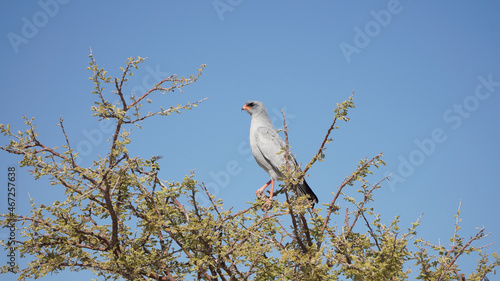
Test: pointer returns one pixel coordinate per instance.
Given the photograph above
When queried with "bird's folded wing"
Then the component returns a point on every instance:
(270, 145)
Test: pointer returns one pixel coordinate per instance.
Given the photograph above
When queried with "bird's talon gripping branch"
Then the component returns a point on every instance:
(267, 205)
(260, 191)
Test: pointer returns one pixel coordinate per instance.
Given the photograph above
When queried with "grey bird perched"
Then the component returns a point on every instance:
(266, 145)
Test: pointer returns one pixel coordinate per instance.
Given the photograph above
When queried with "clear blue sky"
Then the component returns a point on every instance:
(426, 77)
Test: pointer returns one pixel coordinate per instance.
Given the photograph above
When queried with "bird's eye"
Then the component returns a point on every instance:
(251, 104)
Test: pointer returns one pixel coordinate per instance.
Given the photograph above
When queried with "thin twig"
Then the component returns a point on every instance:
(67, 142)
(362, 204)
(287, 151)
(346, 181)
(320, 150)
(346, 219)
(371, 231)
(165, 111)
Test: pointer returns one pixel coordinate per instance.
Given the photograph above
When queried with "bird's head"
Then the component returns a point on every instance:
(253, 107)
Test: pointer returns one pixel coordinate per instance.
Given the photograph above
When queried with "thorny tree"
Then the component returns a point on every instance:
(122, 221)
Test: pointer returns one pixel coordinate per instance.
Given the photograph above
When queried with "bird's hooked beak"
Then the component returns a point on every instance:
(245, 107)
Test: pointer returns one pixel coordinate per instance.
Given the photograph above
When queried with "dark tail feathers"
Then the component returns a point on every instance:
(304, 189)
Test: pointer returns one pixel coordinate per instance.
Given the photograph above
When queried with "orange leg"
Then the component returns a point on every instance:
(261, 190)
(272, 190)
